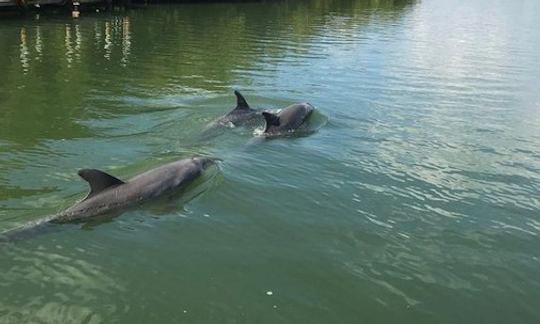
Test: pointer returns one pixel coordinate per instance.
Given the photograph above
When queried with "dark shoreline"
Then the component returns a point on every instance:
(10, 8)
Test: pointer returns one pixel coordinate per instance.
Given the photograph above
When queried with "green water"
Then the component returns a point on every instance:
(416, 202)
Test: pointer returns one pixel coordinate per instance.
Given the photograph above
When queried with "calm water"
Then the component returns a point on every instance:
(417, 201)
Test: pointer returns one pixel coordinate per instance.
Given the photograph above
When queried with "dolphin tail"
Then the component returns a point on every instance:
(29, 230)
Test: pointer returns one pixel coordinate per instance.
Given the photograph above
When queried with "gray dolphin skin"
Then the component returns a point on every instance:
(288, 119)
(241, 114)
(108, 193)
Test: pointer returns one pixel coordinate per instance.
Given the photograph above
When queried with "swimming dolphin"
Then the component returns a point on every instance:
(108, 193)
(288, 119)
(241, 114)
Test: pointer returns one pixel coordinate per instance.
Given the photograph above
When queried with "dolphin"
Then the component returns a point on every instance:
(241, 114)
(287, 120)
(108, 193)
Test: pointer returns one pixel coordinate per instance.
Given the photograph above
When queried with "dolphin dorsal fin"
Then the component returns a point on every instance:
(241, 102)
(271, 120)
(98, 180)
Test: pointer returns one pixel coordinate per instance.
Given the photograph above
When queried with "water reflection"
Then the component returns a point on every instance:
(73, 41)
(110, 35)
(97, 34)
(38, 44)
(126, 41)
(24, 52)
(69, 48)
(108, 43)
(78, 42)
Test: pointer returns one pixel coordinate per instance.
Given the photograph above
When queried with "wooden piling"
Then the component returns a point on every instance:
(23, 6)
(75, 13)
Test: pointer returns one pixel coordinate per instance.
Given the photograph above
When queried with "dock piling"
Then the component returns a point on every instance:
(75, 13)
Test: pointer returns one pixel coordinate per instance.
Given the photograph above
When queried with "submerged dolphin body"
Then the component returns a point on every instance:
(241, 114)
(108, 193)
(288, 119)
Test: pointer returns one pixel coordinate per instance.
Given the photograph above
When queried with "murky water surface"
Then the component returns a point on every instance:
(417, 201)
